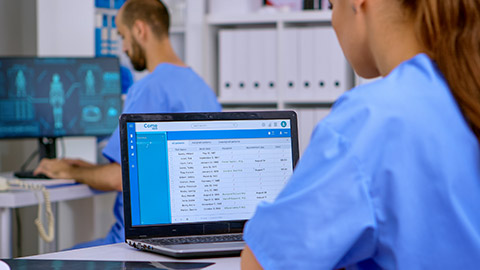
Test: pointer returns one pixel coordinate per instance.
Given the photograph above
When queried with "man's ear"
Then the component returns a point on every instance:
(357, 5)
(139, 31)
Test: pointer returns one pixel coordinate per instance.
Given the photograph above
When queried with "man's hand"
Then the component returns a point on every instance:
(102, 177)
(56, 168)
(78, 163)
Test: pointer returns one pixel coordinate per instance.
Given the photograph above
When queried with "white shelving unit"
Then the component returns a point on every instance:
(310, 110)
(280, 22)
(308, 16)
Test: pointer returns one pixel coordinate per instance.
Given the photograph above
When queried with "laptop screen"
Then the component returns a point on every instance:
(184, 172)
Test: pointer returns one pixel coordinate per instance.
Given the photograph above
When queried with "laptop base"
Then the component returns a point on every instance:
(188, 251)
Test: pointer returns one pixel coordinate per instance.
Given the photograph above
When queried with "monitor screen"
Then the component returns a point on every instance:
(55, 97)
(206, 171)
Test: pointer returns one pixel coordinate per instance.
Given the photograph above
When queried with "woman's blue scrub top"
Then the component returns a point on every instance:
(391, 179)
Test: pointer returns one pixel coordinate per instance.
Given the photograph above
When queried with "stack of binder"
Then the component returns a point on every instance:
(313, 68)
(248, 65)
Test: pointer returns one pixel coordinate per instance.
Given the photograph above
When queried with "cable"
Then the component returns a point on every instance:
(62, 141)
(48, 237)
(28, 161)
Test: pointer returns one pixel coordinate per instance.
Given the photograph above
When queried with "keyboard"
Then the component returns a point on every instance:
(29, 174)
(194, 239)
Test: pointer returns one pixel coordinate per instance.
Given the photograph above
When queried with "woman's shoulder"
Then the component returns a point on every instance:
(415, 84)
(409, 96)
(417, 77)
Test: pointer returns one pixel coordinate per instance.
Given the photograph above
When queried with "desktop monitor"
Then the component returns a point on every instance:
(47, 98)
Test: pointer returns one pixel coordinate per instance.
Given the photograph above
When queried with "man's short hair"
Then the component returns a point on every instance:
(152, 12)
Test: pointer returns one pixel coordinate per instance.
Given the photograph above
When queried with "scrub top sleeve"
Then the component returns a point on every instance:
(303, 229)
(112, 149)
(140, 99)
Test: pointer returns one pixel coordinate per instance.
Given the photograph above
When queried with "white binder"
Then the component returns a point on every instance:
(338, 81)
(226, 64)
(306, 68)
(241, 59)
(291, 64)
(256, 65)
(322, 58)
(269, 84)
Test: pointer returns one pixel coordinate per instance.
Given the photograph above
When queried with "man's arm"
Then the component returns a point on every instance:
(102, 177)
(249, 262)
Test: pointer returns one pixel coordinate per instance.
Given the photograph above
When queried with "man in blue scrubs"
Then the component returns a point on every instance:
(391, 178)
(171, 86)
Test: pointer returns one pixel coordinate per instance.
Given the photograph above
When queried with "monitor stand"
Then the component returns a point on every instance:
(47, 148)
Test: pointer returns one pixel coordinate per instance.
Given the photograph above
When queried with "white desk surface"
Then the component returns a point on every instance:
(60, 190)
(123, 252)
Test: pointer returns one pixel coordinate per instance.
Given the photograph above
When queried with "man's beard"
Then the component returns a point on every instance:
(137, 58)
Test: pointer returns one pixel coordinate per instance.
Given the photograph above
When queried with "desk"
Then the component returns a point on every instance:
(123, 252)
(22, 198)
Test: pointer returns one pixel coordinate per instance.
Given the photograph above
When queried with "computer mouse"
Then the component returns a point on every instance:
(4, 266)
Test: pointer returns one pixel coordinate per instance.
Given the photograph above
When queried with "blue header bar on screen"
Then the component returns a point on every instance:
(226, 134)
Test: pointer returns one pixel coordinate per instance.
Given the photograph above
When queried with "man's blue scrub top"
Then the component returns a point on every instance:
(391, 179)
(168, 89)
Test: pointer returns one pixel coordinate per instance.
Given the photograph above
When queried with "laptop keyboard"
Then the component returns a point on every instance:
(194, 239)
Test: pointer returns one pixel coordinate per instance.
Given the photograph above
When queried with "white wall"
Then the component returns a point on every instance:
(66, 28)
(18, 37)
(17, 27)
(53, 28)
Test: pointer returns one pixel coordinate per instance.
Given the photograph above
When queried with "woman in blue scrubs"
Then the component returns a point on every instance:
(391, 178)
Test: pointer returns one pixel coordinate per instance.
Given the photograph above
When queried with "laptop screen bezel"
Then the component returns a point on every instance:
(202, 228)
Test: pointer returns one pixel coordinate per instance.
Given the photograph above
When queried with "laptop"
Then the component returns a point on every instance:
(192, 180)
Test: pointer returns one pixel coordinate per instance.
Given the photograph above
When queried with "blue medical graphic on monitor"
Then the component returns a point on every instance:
(55, 97)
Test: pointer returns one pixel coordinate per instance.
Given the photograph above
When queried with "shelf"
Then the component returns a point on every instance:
(308, 103)
(247, 102)
(288, 103)
(309, 16)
